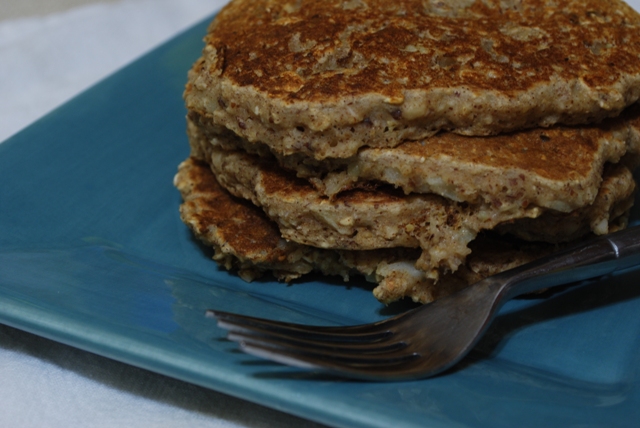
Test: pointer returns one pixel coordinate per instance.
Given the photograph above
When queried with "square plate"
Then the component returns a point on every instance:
(93, 254)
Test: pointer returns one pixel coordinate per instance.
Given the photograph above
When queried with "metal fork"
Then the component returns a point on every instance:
(430, 339)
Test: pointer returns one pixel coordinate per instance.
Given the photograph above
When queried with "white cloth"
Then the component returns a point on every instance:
(45, 61)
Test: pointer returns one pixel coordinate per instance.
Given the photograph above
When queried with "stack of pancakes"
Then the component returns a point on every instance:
(422, 144)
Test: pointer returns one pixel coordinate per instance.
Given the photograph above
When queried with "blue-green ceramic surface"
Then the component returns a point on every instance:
(93, 254)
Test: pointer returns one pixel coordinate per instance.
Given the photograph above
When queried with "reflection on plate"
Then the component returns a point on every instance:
(93, 254)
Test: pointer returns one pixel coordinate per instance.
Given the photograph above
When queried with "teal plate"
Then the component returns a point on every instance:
(93, 254)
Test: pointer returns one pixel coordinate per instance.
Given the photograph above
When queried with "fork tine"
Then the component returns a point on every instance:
(310, 337)
(306, 358)
(363, 372)
(367, 367)
(362, 351)
(363, 333)
(305, 343)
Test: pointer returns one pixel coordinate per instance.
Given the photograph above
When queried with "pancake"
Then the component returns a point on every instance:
(247, 241)
(423, 145)
(327, 78)
(559, 168)
(385, 218)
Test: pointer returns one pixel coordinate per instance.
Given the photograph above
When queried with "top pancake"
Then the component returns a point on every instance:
(325, 78)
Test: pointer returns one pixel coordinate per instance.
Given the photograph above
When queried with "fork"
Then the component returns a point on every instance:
(432, 338)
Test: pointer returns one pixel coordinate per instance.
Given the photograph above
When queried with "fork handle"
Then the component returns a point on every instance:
(596, 257)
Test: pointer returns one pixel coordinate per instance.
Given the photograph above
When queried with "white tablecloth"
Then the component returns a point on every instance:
(45, 61)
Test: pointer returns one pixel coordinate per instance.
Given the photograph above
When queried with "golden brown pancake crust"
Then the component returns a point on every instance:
(327, 77)
(239, 224)
(320, 50)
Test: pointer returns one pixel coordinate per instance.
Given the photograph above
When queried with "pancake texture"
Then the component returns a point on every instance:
(384, 218)
(326, 78)
(559, 168)
(244, 239)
